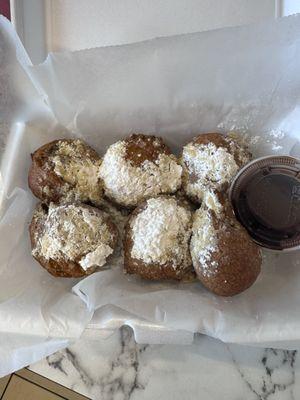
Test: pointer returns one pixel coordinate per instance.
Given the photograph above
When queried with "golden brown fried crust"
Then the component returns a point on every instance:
(216, 138)
(140, 148)
(41, 177)
(153, 271)
(44, 183)
(64, 268)
(238, 260)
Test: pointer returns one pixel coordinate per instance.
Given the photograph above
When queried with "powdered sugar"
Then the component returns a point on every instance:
(73, 163)
(274, 138)
(128, 184)
(276, 147)
(97, 257)
(277, 133)
(206, 167)
(204, 242)
(245, 140)
(161, 233)
(71, 231)
(212, 202)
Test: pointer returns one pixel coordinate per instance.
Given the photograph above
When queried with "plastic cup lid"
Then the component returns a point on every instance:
(265, 196)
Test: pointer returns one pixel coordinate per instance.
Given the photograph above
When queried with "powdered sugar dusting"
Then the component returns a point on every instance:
(276, 147)
(161, 233)
(275, 138)
(204, 242)
(245, 139)
(71, 231)
(277, 133)
(73, 163)
(238, 145)
(128, 184)
(212, 202)
(206, 167)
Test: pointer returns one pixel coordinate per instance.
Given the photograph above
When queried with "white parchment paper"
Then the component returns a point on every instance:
(245, 79)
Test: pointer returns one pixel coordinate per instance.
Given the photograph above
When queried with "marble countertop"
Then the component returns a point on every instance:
(119, 369)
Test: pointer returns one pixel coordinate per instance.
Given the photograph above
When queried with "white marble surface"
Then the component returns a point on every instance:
(118, 369)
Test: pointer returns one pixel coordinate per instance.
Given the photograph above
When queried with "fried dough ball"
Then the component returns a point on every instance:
(71, 240)
(157, 236)
(209, 164)
(137, 168)
(225, 259)
(66, 170)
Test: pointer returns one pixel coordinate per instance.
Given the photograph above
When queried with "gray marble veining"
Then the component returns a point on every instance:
(119, 369)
